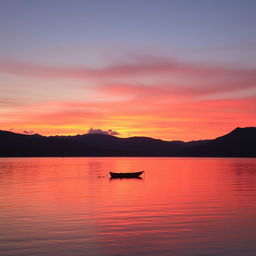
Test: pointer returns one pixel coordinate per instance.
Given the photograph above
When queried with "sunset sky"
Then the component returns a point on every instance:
(174, 70)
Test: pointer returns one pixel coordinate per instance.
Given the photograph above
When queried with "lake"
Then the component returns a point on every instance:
(180, 207)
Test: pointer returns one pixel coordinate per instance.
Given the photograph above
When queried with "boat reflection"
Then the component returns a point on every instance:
(130, 178)
(125, 174)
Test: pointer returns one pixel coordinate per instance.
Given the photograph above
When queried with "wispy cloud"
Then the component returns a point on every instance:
(139, 65)
(146, 75)
(131, 95)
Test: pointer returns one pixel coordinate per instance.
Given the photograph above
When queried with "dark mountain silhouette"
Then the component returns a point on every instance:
(241, 142)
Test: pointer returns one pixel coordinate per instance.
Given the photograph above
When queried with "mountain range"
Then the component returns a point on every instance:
(241, 142)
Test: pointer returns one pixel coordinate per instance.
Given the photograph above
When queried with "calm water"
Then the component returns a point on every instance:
(182, 206)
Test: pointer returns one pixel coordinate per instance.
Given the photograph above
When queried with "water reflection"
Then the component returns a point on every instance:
(182, 206)
(130, 178)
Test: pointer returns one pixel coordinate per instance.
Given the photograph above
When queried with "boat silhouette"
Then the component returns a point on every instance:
(125, 174)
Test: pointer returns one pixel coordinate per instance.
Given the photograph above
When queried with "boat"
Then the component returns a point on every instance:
(125, 174)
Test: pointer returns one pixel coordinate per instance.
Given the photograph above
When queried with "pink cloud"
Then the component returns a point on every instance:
(194, 80)
(176, 92)
(187, 104)
(142, 65)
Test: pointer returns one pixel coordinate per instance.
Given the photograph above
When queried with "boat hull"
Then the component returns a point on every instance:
(125, 174)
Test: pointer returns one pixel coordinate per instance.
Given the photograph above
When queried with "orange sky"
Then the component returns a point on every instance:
(141, 96)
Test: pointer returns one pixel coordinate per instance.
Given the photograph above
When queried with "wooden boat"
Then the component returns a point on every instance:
(125, 174)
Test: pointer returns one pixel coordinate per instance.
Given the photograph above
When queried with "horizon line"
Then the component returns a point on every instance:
(116, 136)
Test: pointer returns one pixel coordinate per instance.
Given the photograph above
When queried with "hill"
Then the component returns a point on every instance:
(240, 142)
